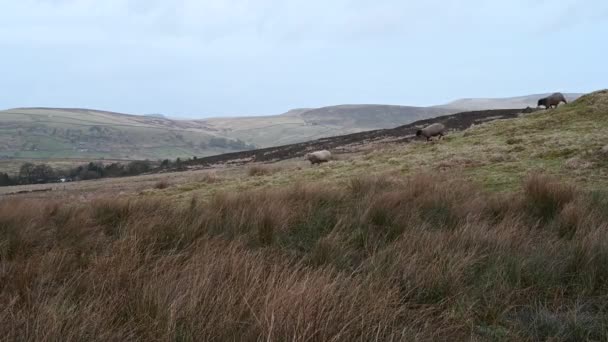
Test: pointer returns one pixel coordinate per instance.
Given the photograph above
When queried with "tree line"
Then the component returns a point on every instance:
(30, 173)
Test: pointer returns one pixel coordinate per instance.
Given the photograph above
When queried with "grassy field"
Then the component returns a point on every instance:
(75, 133)
(497, 233)
(51, 133)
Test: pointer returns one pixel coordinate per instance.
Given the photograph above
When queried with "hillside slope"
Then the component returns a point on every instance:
(49, 133)
(498, 232)
(496, 148)
(355, 141)
(502, 103)
(301, 125)
(308, 124)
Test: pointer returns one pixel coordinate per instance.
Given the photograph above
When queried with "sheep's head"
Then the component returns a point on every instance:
(418, 132)
(541, 102)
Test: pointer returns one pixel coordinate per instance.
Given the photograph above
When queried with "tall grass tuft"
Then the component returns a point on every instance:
(380, 259)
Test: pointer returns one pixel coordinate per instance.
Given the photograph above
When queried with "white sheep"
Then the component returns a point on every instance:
(431, 131)
(318, 157)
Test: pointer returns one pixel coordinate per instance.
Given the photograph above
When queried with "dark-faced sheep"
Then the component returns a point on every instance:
(430, 131)
(318, 157)
(552, 100)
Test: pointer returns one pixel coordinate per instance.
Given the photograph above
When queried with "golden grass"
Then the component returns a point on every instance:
(383, 258)
(162, 184)
(261, 170)
(407, 242)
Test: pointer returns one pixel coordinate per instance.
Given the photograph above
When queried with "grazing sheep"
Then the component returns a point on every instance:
(552, 100)
(318, 157)
(431, 131)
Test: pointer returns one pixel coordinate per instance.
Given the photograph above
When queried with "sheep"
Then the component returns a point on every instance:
(318, 157)
(552, 100)
(431, 131)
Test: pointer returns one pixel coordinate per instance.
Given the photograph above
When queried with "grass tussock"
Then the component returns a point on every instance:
(161, 184)
(208, 178)
(546, 196)
(382, 258)
(261, 170)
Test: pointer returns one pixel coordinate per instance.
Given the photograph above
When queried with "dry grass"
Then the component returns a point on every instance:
(208, 177)
(262, 170)
(384, 258)
(161, 184)
(317, 254)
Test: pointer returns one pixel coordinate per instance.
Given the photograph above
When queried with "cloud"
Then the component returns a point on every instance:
(226, 27)
(574, 13)
(274, 21)
(269, 55)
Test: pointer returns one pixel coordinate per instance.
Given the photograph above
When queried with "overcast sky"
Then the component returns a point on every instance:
(203, 58)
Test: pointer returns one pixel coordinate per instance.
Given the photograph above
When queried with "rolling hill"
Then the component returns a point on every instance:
(47, 133)
(301, 125)
(498, 232)
(503, 103)
(54, 133)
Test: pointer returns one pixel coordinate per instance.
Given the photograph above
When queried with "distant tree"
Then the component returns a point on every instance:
(26, 172)
(88, 174)
(89, 171)
(165, 164)
(75, 172)
(138, 167)
(62, 173)
(218, 142)
(114, 170)
(179, 164)
(42, 173)
(5, 180)
(239, 144)
(97, 168)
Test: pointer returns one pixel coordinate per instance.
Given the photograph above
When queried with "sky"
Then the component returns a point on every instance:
(202, 58)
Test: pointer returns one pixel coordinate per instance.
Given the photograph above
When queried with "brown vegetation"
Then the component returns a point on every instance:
(385, 258)
(261, 170)
(161, 184)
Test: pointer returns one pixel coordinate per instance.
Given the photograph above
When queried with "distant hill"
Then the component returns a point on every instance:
(157, 116)
(502, 103)
(300, 125)
(47, 133)
(51, 133)
(366, 117)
